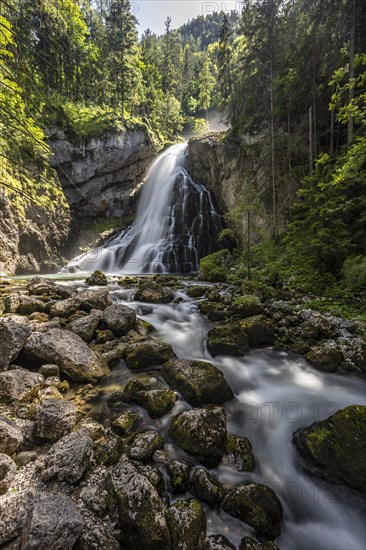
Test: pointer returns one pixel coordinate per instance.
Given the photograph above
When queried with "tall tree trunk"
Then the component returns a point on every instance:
(331, 135)
(289, 157)
(273, 157)
(248, 246)
(311, 159)
(351, 70)
(314, 110)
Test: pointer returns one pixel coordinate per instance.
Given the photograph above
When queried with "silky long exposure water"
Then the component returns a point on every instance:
(276, 393)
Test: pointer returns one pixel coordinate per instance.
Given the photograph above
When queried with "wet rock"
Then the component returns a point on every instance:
(154, 293)
(23, 304)
(250, 543)
(147, 353)
(95, 535)
(85, 301)
(199, 382)
(259, 330)
(258, 506)
(109, 451)
(127, 422)
(13, 334)
(186, 521)
(155, 476)
(68, 459)
(11, 437)
(335, 448)
(196, 291)
(218, 542)
(227, 340)
(67, 350)
(94, 493)
(239, 453)
(8, 470)
(143, 445)
(98, 278)
(179, 473)
(15, 514)
(56, 523)
(201, 433)
(40, 286)
(156, 402)
(247, 306)
(55, 419)
(206, 487)
(49, 370)
(119, 319)
(325, 358)
(85, 326)
(19, 385)
(139, 511)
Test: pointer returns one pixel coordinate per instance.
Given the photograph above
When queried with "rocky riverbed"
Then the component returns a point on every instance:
(122, 421)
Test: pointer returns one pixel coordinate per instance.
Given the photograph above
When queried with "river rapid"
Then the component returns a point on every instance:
(276, 393)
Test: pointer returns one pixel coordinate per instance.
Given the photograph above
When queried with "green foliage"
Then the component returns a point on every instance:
(215, 266)
(354, 272)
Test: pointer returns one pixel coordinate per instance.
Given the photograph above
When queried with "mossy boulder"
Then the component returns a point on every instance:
(218, 542)
(227, 339)
(206, 487)
(247, 306)
(260, 331)
(98, 278)
(196, 291)
(147, 353)
(325, 358)
(215, 311)
(179, 474)
(157, 402)
(258, 506)
(250, 543)
(214, 268)
(335, 448)
(155, 476)
(127, 422)
(139, 511)
(199, 382)
(187, 525)
(143, 445)
(118, 318)
(239, 453)
(103, 336)
(154, 293)
(202, 433)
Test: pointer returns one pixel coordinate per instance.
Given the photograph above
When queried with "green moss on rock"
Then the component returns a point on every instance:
(335, 448)
(214, 268)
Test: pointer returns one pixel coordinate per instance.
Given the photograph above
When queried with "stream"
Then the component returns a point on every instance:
(276, 393)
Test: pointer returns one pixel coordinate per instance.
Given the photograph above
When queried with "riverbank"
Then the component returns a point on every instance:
(170, 388)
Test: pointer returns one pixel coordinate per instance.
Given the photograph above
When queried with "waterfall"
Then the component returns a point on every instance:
(176, 224)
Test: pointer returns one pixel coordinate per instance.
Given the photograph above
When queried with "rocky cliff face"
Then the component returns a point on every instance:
(232, 170)
(100, 179)
(30, 243)
(100, 176)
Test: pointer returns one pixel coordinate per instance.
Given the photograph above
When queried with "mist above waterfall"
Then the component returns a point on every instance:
(176, 224)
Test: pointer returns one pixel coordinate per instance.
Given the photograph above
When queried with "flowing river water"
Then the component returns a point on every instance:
(276, 393)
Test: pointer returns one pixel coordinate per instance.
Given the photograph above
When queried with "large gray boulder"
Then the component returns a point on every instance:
(187, 525)
(199, 382)
(55, 525)
(19, 385)
(68, 459)
(147, 353)
(140, 513)
(67, 350)
(23, 304)
(11, 437)
(7, 472)
(85, 326)
(40, 286)
(85, 301)
(154, 293)
(13, 333)
(55, 418)
(201, 433)
(15, 514)
(119, 319)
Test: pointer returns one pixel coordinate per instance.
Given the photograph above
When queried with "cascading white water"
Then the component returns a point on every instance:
(175, 224)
